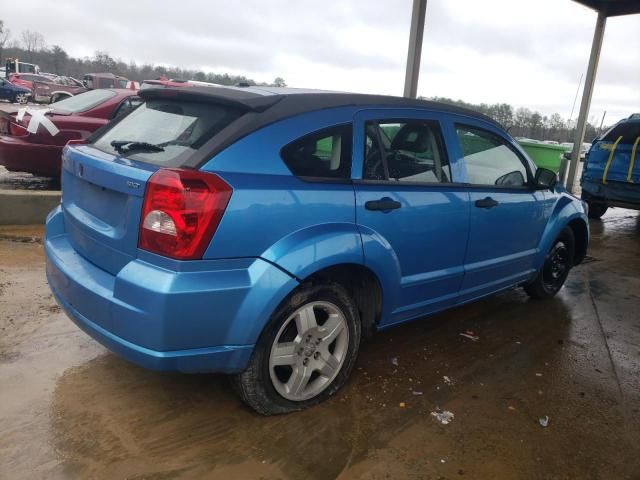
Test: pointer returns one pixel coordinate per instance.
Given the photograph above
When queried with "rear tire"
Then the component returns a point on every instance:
(305, 353)
(597, 210)
(555, 270)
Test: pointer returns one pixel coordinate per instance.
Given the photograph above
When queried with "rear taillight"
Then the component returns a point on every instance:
(181, 211)
(17, 130)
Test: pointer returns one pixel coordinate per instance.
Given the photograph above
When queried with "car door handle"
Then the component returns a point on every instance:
(486, 203)
(385, 204)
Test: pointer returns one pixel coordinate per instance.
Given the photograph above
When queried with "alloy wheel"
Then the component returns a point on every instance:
(309, 351)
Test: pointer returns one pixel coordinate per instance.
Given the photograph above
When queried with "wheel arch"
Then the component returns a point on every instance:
(335, 253)
(363, 286)
(60, 93)
(580, 230)
(565, 214)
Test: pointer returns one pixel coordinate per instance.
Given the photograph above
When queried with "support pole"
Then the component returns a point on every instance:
(587, 93)
(418, 13)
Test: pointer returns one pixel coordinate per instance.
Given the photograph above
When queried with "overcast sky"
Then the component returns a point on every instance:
(525, 52)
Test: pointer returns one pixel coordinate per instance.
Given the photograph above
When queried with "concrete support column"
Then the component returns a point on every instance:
(418, 13)
(581, 126)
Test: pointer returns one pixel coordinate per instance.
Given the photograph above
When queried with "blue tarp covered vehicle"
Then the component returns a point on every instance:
(611, 173)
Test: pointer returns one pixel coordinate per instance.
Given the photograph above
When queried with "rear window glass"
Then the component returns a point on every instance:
(165, 132)
(105, 82)
(84, 101)
(629, 132)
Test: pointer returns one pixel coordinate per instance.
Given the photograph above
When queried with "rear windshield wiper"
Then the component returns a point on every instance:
(125, 146)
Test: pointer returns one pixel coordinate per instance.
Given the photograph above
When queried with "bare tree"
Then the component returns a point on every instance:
(32, 42)
(4, 38)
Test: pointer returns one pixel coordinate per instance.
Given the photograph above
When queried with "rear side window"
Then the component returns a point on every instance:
(489, 158)
(126, 106)
(405, 151)
(322, 155)
(165, 132)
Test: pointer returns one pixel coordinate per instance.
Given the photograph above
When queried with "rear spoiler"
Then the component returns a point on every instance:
(240, 99)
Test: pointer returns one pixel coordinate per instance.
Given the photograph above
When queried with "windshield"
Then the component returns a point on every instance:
(84, 101)
(629, 131)
(165, 132)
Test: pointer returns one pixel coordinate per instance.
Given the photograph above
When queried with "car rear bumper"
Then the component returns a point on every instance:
(190, 321)
(226, 358)
(617, 194)
(19, 155)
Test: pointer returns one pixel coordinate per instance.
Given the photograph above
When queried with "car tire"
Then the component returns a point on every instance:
(21, 98)
(555, 269)
(597, 210)
(287, 370)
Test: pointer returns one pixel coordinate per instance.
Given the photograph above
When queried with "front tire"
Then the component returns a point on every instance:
(21, 98)
(306, 352)
(597, 210)
(555, 270)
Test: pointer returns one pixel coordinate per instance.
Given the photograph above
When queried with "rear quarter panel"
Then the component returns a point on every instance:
(300, 225)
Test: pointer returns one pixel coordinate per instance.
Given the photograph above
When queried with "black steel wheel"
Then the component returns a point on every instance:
(555, 270)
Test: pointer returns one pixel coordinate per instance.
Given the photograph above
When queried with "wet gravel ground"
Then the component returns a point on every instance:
(70, 409)
(26, 181)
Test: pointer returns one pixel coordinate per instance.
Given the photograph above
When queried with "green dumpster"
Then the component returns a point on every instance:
(545, 155)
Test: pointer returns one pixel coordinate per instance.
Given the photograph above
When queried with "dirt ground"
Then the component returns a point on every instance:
(70, 409)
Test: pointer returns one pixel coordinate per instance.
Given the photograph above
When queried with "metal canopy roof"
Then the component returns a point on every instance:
(605, 8)
(612, 8)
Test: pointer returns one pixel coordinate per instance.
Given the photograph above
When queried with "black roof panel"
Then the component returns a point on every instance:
(263, 107)
(612, 8)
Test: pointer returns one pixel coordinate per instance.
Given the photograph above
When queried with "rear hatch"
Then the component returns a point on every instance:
(614, 157)
(104, 182)
(102, 199)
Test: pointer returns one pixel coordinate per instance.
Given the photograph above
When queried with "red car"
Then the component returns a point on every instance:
(26, 79)
(165, 82)
(56, 89)
(74, 118)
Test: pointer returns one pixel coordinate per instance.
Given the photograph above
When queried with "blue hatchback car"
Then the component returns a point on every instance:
(261, 232)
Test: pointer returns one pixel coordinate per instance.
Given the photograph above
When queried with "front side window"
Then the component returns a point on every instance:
(324, 154)
(489, 158)
(405, 151)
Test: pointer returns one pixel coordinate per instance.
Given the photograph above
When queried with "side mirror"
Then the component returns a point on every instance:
(545, 179)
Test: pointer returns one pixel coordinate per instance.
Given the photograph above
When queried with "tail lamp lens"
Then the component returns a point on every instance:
(17, 130)
(181, 212)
